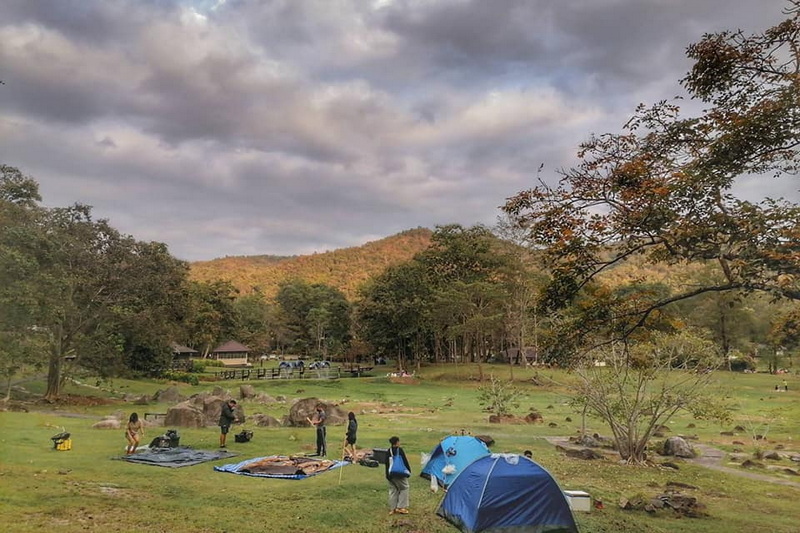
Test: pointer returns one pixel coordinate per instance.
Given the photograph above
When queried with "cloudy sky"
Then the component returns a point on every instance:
(241, 127)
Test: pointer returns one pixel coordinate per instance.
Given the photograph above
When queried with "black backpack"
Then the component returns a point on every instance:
(243, 436)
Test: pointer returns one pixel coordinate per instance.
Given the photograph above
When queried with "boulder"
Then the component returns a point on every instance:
(262, 420)
(265, 398)
(683, 505)
(220, 392)
(584, 453)
(212, 407)
(107, 423)
(534, 417)
(185, 414)
(246, 392)
(305, 408)
(503, 419)
(775, 456)
(748, 463)
(586, 441)
(486, 439)
(677, 447)
(169, 395)
(679, 485)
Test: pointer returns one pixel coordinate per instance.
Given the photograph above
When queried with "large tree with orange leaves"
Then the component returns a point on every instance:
(662, 188)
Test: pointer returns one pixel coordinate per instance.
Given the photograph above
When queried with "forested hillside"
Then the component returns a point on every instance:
(346, 269)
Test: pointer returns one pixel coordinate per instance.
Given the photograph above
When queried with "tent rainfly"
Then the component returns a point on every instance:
(451, 456)
(507, 493)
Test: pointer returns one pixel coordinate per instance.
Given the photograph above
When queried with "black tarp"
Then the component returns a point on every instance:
(176, 457)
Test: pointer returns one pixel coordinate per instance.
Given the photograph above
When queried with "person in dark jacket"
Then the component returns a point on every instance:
(226, 417)
(398, 485)
(350, 436)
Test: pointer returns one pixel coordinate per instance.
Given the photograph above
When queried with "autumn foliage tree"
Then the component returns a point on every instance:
(662, 188)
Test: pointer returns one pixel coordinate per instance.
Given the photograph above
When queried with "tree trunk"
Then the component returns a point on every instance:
(54, 370)
(8, 389)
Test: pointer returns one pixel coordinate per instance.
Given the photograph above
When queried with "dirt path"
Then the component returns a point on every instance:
(710, 457)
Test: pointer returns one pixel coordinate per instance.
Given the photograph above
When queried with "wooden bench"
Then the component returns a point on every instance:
(357, 370)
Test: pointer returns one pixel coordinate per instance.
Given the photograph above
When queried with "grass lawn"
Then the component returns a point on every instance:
(86, 489)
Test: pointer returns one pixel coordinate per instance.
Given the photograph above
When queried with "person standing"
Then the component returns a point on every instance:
(226, 417)
(398, 482)
(350, 436)
(319, 422)
(134, 432)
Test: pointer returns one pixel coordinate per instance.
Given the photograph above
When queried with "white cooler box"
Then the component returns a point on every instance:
(578, 500)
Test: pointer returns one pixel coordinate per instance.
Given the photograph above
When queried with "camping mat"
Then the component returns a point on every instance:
(176, 457)
(281, 467)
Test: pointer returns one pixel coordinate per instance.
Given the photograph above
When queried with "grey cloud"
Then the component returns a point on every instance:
(290, 126)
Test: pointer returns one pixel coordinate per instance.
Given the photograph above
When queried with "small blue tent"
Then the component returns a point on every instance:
(455, 453)
(507, 493)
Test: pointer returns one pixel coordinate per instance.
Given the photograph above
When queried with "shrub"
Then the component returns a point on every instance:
(498, 396)
(742, 362)
(183, 377)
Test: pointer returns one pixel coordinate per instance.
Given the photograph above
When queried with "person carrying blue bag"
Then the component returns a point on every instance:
(397, 473)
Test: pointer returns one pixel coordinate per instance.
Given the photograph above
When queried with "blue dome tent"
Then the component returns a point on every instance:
(507, 493)
(451, 456)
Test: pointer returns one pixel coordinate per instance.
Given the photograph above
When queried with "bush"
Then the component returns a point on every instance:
(183, 377)
(742, 363)
(498, 396)
(197, 366)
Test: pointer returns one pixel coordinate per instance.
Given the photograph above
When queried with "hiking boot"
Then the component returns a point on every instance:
(402, 511)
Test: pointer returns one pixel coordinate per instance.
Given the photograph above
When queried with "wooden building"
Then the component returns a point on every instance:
(182, 355)
(232, 353)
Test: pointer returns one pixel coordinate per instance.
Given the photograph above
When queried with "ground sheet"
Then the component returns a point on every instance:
(282, 467)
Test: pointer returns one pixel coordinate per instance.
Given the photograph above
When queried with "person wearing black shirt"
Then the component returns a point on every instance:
(226, 417)
(398, 484)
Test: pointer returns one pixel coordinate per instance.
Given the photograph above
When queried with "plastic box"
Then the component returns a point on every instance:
(381, 455)
(62, 442)
(578, 500)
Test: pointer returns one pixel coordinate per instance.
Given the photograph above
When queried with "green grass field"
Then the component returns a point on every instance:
(87, 489)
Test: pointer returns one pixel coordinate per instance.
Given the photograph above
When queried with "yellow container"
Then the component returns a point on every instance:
(64, 445)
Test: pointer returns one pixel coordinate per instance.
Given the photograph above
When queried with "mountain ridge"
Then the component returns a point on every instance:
(344, 268)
